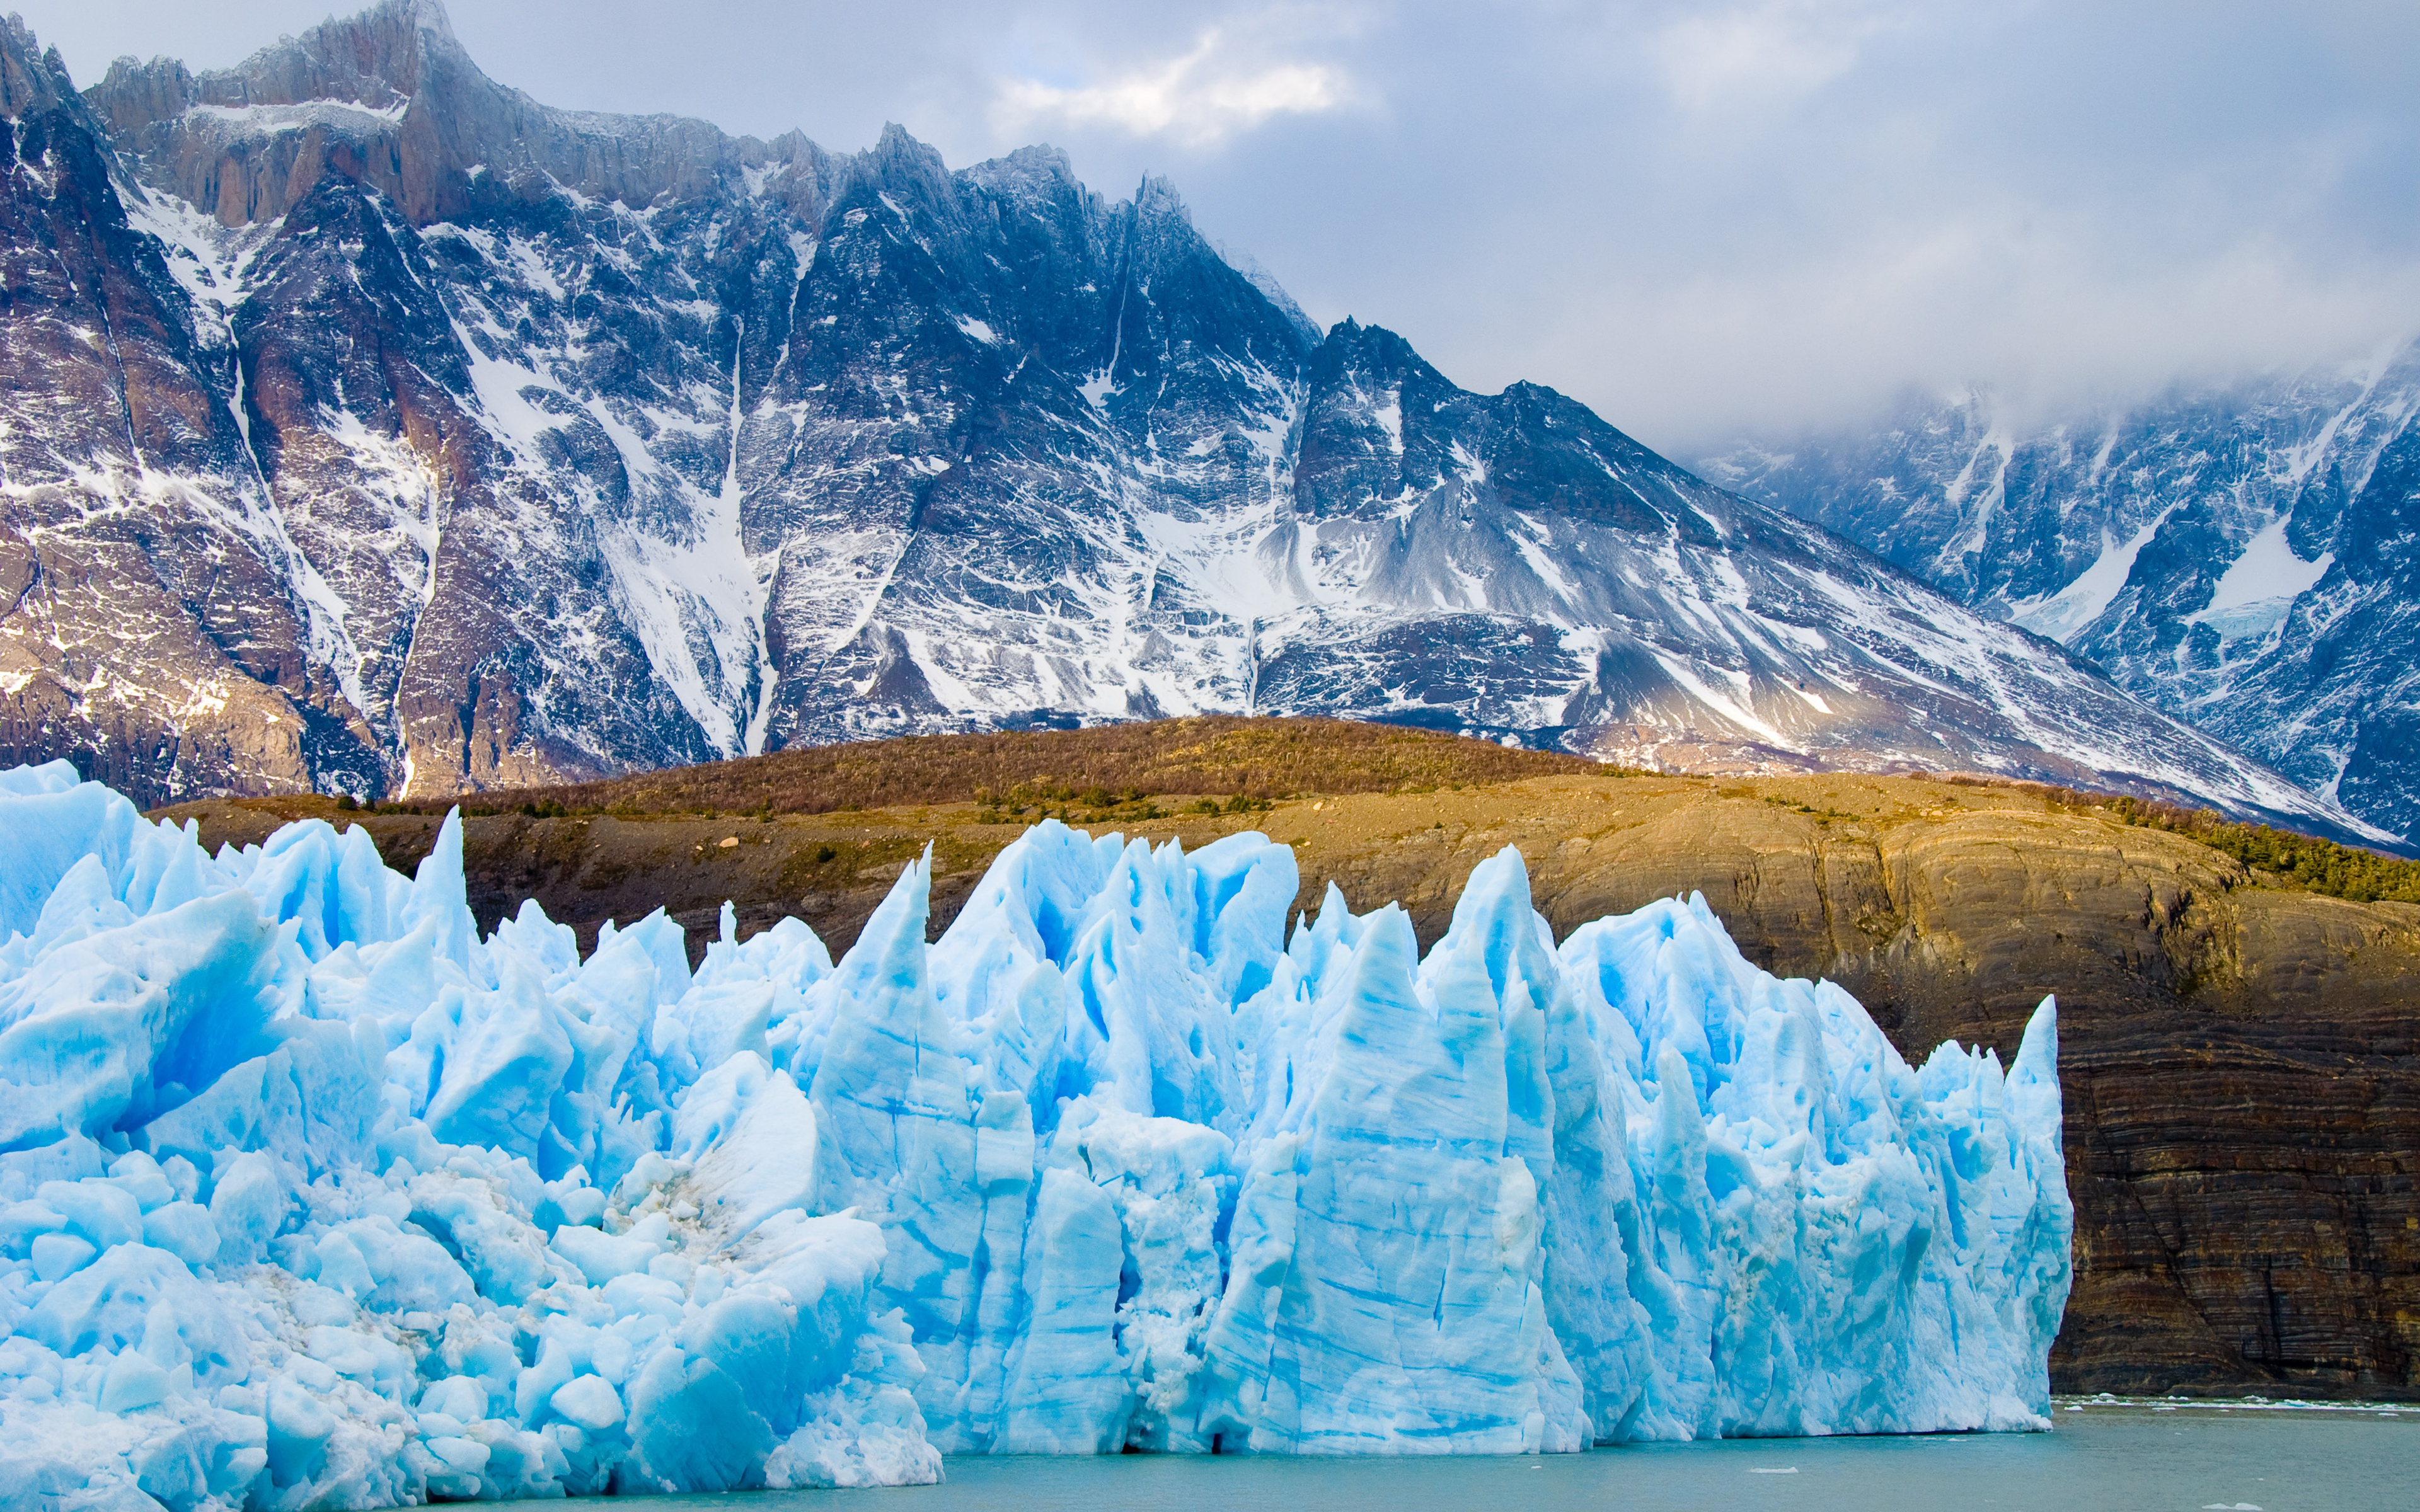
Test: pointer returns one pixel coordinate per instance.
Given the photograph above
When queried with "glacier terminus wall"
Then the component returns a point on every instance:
(310, 1195)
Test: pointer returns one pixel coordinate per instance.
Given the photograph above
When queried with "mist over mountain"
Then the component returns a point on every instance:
(2244, 556)
(370, 427)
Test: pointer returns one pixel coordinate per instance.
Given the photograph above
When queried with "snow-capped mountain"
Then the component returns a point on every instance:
(2244, 557)
(370, 426)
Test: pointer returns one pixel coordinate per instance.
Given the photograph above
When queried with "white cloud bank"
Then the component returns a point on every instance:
(1768, 51)
(1199, 98)
(1700, 217)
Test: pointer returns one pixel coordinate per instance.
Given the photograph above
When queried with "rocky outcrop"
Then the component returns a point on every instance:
(2241, 1061)
(388, 100)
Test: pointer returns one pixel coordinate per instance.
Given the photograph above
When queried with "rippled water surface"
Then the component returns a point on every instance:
(2121, 1459)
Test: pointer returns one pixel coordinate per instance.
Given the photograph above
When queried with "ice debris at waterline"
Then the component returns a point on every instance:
(314, 1198)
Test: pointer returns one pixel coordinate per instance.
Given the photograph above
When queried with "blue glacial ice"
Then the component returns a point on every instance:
(312, 1196)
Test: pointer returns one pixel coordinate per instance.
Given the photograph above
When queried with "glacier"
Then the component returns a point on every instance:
(313, 1196)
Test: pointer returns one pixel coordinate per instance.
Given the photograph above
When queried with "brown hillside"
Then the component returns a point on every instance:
(1226, 755)
(2240, 1055)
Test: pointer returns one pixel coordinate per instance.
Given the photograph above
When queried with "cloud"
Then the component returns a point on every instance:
(1702, 217)
(1200, 97)
(2041, 308)
(1772, 50)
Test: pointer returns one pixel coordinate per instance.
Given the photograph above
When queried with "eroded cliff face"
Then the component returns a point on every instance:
(2242, 1062)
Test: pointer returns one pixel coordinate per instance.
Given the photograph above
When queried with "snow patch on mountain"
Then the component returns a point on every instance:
(2063, 615)
(2259, 589)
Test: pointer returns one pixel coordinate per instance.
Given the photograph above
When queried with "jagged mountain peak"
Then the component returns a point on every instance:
(390, 98)
(897, 153)
(906, 175)
(1157, 196)
(1350, 344)
(30, 78)
(1038, 180)
(1038, 170)
(2238, 552)
(392, 52)
(512, 444)
(379, 58)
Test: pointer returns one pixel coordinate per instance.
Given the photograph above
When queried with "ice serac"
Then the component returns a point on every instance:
(312, 1196)
(1388, 1291)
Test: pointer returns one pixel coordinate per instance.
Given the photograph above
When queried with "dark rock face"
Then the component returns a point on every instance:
(146, 632)
(472, 444)
(2243, 558)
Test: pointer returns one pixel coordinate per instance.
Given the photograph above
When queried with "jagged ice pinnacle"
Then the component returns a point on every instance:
(312, 1196)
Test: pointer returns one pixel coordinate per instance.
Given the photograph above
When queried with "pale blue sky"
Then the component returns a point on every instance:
(1701, 218)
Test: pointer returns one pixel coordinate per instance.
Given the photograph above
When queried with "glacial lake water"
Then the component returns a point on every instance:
(2100, 1459)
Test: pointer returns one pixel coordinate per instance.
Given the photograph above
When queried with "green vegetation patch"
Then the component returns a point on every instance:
(2314, 865)
(2299, 861)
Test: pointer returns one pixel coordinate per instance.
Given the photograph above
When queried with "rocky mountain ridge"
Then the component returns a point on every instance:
(378, 429)
(2242, 555)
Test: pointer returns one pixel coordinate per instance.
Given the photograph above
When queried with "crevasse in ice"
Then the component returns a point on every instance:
(312, 1196)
